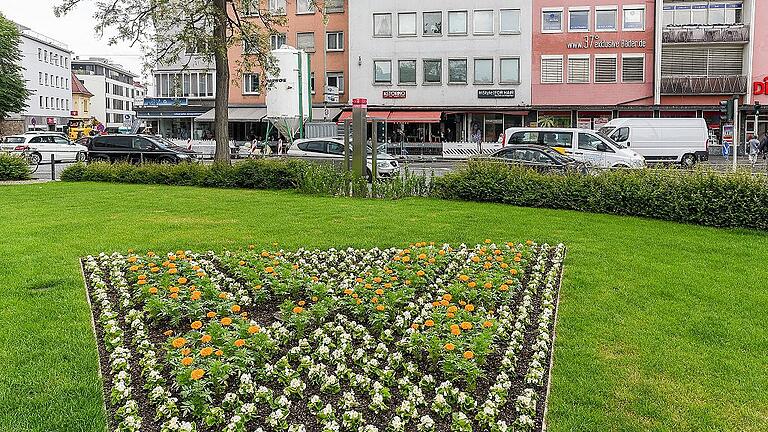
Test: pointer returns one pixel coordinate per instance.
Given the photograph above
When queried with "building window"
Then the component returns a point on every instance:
(578, 69)
(250, 7)
(483, 71)
(45, 56)
(305, 41)
(634, 18)
(552, 69)
(406, 24)
(433, 71)
(251, 84)
(633, 68)
(66, 83)
(605, 68)
(312, 82)
(482, 23)
(305, 7)
(457, 71)
(40, 54)
(41, 102)
(277, 40)
(406, 71)
(605, 19)
(335, 41)
(46, 79)
(510, 70)
(382, 71)
(67, 104)
(382, 25)
(40, 76)
(277, 7)
(457, 22)
(552, 21)
(433, 23)
(335, 79)
(509, 21)
(578, 20)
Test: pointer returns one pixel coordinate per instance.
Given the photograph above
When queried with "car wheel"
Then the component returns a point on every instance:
(620, 166)
(81, 156)
(35, 159)
(688, 161)
(167, 161)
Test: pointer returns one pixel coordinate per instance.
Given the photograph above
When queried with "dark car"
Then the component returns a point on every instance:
(539, 158)
(137, 149)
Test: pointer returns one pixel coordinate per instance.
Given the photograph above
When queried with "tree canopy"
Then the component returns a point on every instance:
(13, 88)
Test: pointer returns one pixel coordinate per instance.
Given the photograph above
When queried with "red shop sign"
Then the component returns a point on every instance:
(759, 88)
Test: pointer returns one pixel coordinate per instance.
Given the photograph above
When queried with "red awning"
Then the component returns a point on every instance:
(415, 117)
(372, 115)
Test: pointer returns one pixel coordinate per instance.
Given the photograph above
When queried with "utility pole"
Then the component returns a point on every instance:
(736, 132)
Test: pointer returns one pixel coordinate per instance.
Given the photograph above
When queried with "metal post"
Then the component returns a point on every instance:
(359, 138)
(53, 167)
(347, 125)
(374, 148)
(141, 156)
(736, 133)
(301, 96)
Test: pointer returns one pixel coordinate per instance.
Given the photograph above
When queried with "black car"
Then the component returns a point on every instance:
(540, 158)
(137, 149)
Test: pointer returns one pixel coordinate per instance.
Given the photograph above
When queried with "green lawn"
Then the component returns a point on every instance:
(661, 326)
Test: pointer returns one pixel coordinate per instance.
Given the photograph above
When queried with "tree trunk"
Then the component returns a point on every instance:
(221, 125)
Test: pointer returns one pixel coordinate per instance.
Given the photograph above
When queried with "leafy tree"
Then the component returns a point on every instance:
(167, 29)
(13, 88)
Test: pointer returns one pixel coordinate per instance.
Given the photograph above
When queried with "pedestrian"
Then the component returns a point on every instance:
(754, 149)
(764, 144)
(254, 146)
(280, 146)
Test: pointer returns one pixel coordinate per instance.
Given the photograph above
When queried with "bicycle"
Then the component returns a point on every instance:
(32, 159)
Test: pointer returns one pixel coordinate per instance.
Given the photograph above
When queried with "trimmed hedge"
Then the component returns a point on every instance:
(699, 197)
(251, 174)
(13, 168)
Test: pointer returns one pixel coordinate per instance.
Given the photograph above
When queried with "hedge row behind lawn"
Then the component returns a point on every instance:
(251, 174)
(13, 168)
(699, 197)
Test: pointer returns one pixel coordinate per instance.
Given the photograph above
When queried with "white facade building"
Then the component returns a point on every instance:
(47, 70)
(113, 91)
(447, 70)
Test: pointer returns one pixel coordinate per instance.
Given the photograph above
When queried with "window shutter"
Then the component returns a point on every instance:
(701, 62)
(633, 69)
(552, 70)
(578, 70)
(605, 69)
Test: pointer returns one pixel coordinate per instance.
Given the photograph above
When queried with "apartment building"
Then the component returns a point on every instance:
(112, 89)
(442, 69)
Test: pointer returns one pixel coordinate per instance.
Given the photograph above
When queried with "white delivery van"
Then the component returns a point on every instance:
(673, 140)
(584, 145)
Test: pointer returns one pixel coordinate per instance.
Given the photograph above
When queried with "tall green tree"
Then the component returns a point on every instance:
(13, 88)
(167, 29)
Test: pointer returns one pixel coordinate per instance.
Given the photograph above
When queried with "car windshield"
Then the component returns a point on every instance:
(608, 140)
(13, 140)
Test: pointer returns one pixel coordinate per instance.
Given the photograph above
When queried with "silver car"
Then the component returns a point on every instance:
(331, 150)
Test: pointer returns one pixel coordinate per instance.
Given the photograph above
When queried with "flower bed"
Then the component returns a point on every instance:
(428, 338)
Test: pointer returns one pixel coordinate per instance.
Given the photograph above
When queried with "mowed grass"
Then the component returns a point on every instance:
(661, 326)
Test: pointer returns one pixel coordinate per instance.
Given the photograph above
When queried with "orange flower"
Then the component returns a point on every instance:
(407, 282)
(173, 289)
(504, 287)
(132, 259)
(219, 353)
(517, 259)
(195, 295)
(253, 329)
(377, 279)
(441, 252)
(301, 303)
(195, 267)
(348, 291)
(239, 343)
(206, 338)
(168, 332)
(466, 325)
(152, 290)
(415, 326)
(172, 265)
(387, 285)
(449, 346)
(182, 280)
(487, 324)
(375, 300)
(197, 374)
(444, 303)
(420, 273)
(487, 241)
(447, 297)
(368, 286)
(380, 308)
(453, 309)
(463, 278)
(242, 263)
(472, 284)
(269, 270)
(469, 355)
(476, 259)
(455, 330)
(298, 310)
(504, 265)
(469, 308)
(186, 361)
(174, 295)
(196, 325)
(529, 242)
(205, 352)
(422, 256)
(154, 269)
(235, 308)
(226, 321)
(435, 303)
(314, 298)
(429, 323)
(512, 271)
(211, 314)
(186, 351)
(406, 258)
(223, 295)
(379, 291)
(172, 271)
(142, 281)
(396, 258)
(179, 342)
(488, 285)
(359, 280)
(450, 315)
(244, 314)
(134, 268)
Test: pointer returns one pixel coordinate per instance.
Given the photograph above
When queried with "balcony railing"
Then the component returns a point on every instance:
(736, 33)
(693, 85)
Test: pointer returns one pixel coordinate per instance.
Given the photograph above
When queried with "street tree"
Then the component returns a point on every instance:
(13, 89)
(167, 29)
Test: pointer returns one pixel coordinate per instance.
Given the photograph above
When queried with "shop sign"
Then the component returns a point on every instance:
(496, 94)
(50, 121)
(331, 94)
(73, 113)
(157, 102)
(760, 88)
(584, 123)
(359, 103)
(594, 41)
(393, 94)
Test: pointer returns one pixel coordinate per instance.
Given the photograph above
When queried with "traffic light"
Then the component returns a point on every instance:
(726, 111)
(757, 108)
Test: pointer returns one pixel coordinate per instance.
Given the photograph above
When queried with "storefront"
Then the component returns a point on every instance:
(174, 118)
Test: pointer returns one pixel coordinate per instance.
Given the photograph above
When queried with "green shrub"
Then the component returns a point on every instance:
(699, 197)
(74, 173)
(269, 173)
(13, 168)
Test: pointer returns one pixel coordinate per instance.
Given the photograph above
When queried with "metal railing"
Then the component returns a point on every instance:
(713, 85)
(706, 34)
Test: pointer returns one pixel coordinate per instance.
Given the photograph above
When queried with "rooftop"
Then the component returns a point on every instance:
(78, 87)
(39, 37)
(107, 63)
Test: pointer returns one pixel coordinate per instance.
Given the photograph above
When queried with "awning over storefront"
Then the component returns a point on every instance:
(415, 117)
(237, 114)
(372, 115)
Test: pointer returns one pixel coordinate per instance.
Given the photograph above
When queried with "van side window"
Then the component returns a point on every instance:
(590, 142)
(557, 139)
(620, 134)
(524, 138)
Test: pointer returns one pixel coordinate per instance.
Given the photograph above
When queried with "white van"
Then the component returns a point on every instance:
(677, 140)
(584, 145)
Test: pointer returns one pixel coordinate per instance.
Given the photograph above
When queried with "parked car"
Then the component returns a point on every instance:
(584, 145)
(540, 158)
(41, 146)
(673, 140)
(331, 150)
(137, 148)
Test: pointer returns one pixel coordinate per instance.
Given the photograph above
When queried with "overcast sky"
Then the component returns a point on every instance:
(75, 29)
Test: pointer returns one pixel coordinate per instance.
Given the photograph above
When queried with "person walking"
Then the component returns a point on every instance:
(764, 144)
(754, 149)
